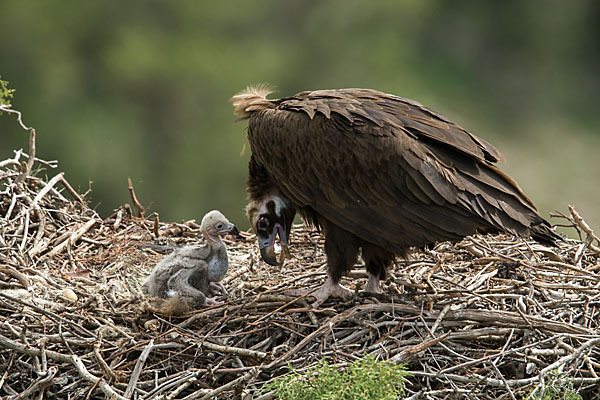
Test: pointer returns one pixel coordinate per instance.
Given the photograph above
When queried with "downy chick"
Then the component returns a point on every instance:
(191, 272)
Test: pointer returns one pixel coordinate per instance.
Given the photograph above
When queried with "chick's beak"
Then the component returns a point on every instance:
(233, 230)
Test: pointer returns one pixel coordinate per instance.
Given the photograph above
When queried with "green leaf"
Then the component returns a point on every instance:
(5, 93)
(363, 379)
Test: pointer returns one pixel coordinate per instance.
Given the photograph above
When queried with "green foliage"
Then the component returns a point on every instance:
(557, 387)
(5, 92)
(363, 379)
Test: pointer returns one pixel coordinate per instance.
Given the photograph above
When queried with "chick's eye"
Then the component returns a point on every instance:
(219, 225)
(263, 224)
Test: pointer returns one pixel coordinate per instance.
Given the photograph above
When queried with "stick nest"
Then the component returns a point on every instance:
(490, 317)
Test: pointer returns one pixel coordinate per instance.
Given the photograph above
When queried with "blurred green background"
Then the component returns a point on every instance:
(140, 89)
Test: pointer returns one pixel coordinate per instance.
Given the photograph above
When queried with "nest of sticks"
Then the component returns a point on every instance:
(491, 317)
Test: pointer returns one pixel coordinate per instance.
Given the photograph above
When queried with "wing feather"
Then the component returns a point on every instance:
(386, 169)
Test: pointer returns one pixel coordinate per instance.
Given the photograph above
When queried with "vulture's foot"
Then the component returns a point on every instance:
(217, 288)
(373, 285)
(329, 289)
(210, 301)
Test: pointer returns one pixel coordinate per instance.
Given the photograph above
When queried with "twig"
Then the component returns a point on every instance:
(108, 372)
(38, 385)
(502, 352)
(156, 226)
(242, 379)
(134, 199)
(8, 109)
(234, 350)
(47, 188)
(31, 159)
(48, 313)
(503, 379)
(179, 380)
(139, 365)
(8, 162)
(72, 191)
(74, 237)
(582, 224)
(236, 274)
(440, 317)
(72, 359)
(416, 349)
(562, 362)
(51, 164)
(22, 278)
(29, 165)
(186, 383)
(25, 231)
(515, 319)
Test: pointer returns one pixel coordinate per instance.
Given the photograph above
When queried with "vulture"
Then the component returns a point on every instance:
(377, 174)
(191, 272)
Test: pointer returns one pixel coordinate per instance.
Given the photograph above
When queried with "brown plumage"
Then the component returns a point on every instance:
(376, 172)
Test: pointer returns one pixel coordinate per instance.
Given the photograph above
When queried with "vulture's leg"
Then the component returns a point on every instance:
(377, 260)
(373, 285)
(341, 248)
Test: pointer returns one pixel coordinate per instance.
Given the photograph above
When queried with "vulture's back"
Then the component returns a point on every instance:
(385, 168)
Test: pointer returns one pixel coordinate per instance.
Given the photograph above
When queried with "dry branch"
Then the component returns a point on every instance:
(75, 236)
(39, 385)
(490, 317)
(72, 359)
(137, 370)
(134, 199)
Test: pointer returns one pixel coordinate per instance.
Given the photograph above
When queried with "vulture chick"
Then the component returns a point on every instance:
(191, 272)
(375, 172)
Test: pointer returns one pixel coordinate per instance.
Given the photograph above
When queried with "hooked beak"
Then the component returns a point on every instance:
(267, 246)
(270, 217)
(233, 230)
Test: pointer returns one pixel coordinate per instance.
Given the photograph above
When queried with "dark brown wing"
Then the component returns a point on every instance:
(387, 169)
(384, 115)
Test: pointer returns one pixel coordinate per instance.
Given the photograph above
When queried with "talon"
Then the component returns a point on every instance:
(329, 289)
(217, 288)
(210, 301)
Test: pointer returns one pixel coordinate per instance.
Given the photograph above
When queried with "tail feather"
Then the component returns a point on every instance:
(252, 99)
(543, 233)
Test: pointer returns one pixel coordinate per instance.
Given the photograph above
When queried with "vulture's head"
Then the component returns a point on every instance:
(271, 216)
(214, 224)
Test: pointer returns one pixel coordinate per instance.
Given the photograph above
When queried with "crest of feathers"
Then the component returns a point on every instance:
(252, 99)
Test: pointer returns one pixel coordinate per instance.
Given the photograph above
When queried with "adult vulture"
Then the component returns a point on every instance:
(375, 172)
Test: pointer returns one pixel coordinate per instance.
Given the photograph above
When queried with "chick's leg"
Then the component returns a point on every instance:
(179, 283)
(217, 288)
(210, 301)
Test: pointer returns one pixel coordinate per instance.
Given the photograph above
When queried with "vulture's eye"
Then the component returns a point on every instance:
(263, 224)
(219, 225)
